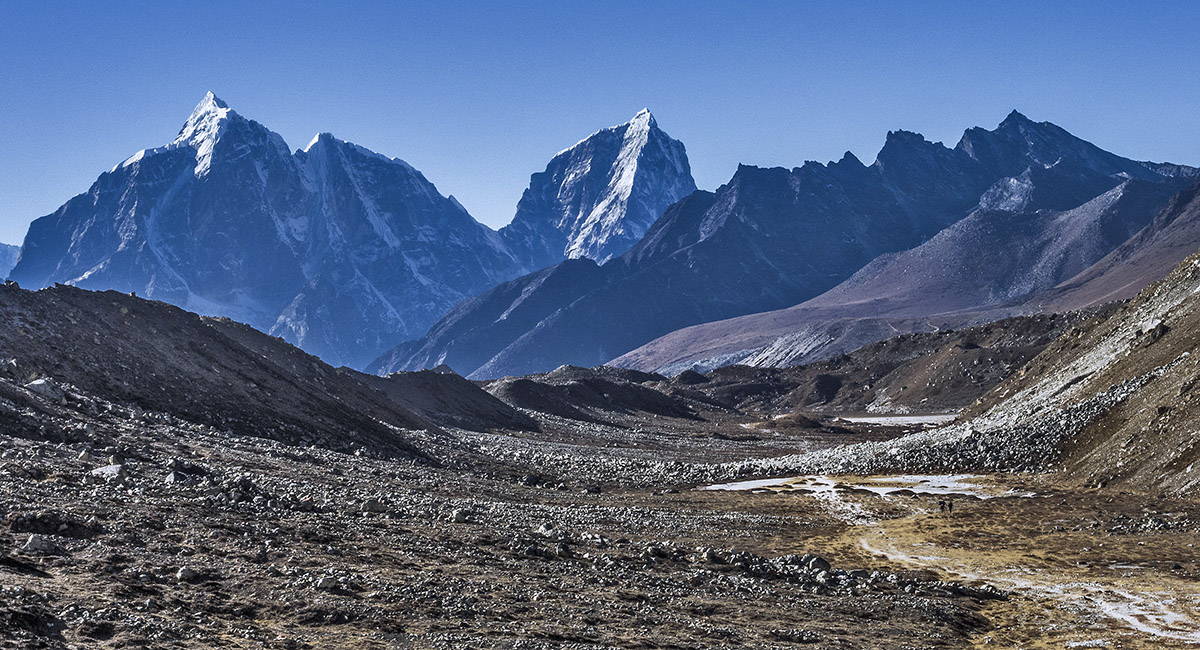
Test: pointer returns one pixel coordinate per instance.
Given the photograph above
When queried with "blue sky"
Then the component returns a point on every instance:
(478, 95)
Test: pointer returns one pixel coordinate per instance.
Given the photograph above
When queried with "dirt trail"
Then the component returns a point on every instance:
(1084, 569)
(1074, 581)
(1162, 609)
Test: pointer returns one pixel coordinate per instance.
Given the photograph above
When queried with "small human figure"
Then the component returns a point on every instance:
(942, 506)
(949, 505)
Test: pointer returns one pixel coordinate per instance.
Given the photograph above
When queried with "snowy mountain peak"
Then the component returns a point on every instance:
(326, 139)
(643, 119)
(212, 101)
(206, 121)
(598, 197)
(203, 128)
(324, 135)
(337, 248)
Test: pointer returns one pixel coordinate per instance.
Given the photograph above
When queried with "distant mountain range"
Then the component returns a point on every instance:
(993, 264)
(338, 249)
(613, 255)
(1004, 214)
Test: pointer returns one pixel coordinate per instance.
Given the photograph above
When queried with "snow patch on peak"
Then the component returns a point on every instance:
(328, 139)
(599, 196)
(643, 120)
(203, 129)
(315, 139)
(206, 122)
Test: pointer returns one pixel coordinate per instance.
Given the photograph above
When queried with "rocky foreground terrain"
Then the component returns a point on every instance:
(168, 480)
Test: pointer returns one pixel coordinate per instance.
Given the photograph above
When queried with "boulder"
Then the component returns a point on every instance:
(41, 544)
(47, 388)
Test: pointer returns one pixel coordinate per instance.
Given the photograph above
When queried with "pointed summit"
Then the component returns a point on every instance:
(1019, 143)
(598, 197)
(207, 114)
(847, 161)
(325, 143)
(322, 136)
(1015, 118)
(204, 127)
(643, 119)
(340, 250)
(211, 100)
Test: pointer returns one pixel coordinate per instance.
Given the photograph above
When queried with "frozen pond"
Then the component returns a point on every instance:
(902, 420)
(935, 484)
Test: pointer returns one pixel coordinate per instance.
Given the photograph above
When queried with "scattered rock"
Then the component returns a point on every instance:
(41, 544)
(328, 583)
(374, 505)
(817, 563)
(47, 388)
(110, 473)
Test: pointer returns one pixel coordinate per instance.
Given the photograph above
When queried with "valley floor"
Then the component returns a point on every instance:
(558, 540)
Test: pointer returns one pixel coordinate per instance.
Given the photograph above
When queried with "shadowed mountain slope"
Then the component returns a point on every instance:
(990, 265)
(773, 238)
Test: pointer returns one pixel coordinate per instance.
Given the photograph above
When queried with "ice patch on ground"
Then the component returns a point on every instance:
(902, 420)
(820, 485)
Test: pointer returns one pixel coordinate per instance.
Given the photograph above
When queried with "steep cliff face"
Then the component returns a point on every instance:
(599, 197)
(336, 248)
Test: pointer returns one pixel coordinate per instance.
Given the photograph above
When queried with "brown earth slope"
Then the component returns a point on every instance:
(933, 372)
(216, 372)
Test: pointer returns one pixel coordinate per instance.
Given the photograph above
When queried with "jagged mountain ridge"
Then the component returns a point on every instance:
(597, 198)
(338, 249)
(771, 238)
(992, 264)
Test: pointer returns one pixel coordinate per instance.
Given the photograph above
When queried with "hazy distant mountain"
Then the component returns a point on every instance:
(772, 238)
(598, 198)
(8, 258)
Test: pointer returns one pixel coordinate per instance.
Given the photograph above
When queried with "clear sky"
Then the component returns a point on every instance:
(478, 95)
